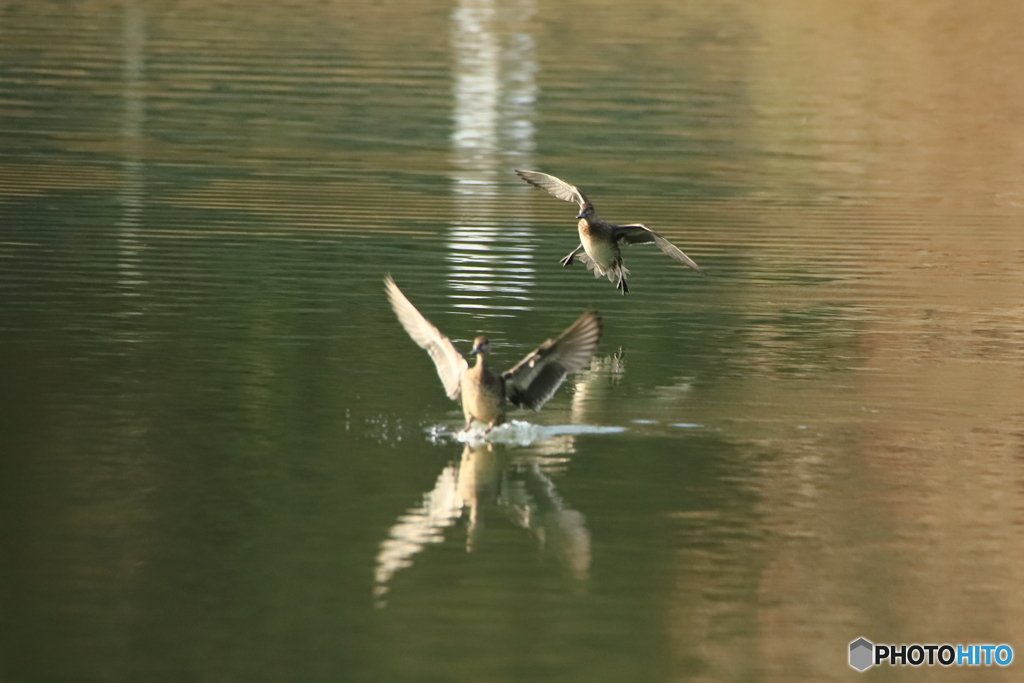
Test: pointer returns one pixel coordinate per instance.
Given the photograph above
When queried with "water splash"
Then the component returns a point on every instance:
(515, 433)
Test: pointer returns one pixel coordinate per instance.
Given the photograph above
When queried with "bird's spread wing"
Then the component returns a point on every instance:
(639, 234)
(450, 363)
(536, 378)
(558, 188)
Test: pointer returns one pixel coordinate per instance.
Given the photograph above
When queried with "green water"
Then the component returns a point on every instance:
(221, 457)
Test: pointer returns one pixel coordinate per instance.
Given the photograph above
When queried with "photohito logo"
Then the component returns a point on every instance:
(865, 654)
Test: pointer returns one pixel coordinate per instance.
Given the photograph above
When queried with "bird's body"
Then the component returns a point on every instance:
(483, 392)
(601, 252)
(600, 241)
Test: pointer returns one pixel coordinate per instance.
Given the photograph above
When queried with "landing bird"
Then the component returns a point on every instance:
(600, 240)
(529, 384)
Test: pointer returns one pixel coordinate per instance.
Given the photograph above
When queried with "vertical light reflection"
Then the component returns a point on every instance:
(495, 95)
(129, 275)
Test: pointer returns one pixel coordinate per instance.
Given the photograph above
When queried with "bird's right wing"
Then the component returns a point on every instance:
(555, 186)
(450, 363)
(535, 379)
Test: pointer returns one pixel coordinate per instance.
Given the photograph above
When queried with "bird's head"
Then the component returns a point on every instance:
(481, 346)
(586, 212)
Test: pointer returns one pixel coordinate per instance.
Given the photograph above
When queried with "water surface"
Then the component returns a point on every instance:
(223, 459)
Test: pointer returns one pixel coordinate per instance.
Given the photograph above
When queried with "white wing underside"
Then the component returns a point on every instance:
(449, 362)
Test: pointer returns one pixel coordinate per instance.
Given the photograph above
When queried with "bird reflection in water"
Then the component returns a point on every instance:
(489, 480)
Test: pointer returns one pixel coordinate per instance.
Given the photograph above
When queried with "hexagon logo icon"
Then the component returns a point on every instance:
(861, 654)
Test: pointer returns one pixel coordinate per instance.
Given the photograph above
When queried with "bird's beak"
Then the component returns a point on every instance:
(580, 214)
(476, 350)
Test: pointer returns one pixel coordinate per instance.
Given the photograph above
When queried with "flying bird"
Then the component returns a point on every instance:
(600, 240)
(483, 392)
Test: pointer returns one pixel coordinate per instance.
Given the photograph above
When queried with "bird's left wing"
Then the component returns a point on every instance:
(641, 234)
(450, 363)
(535, 379)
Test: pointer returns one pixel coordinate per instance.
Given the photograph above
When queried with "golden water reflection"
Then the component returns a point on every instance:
(897, 514)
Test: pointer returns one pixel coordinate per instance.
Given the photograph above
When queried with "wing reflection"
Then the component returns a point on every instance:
(494, 106)
(419, 527)
(530, 499)
(486, 479)
(593, 386)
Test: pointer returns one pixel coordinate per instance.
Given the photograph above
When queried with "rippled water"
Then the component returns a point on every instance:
(221, 457)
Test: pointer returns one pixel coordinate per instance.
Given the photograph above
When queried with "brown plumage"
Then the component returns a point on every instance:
(600, 240)
(483, 393)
